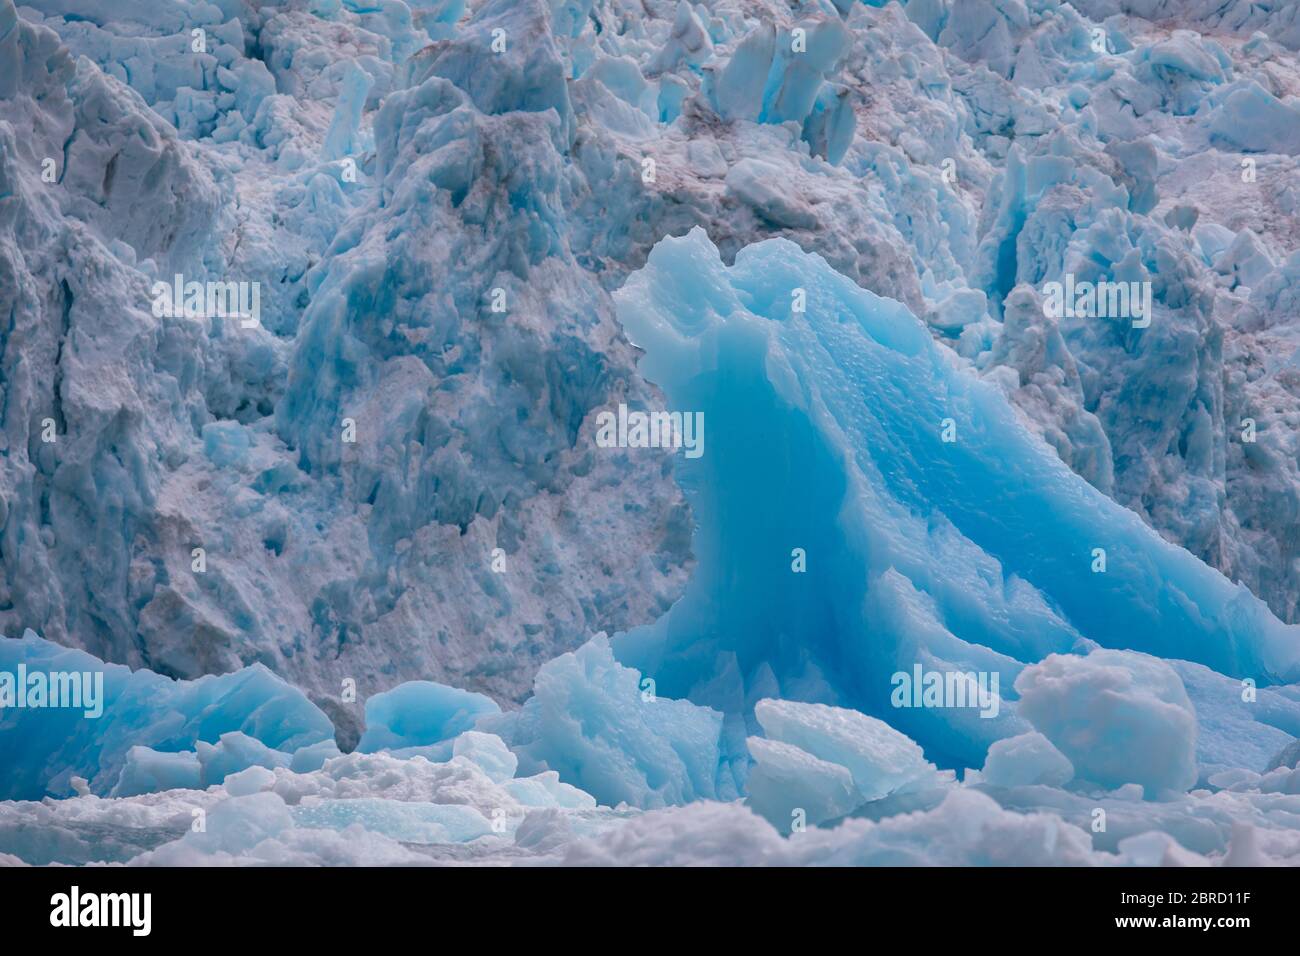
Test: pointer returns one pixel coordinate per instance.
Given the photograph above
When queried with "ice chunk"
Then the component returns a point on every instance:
(307, 759)
(830, 125)
(234, 752)
(622, 77)
(879, 758)
(545, 789)
(777, 76)
(239, 824)
(42, 749)
(737, 88)
(786, 781)
(420, 714)
(1026, 760)
(1253, 119)
(1244, 260)
(590, 720)
(958, 309)
(689, 42)
(255, 779)
(341, 138)
(148, 771)
(1119, 717)
(1184, 53)
(489, 752)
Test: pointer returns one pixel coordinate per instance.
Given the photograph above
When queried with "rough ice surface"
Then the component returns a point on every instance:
(388, 484)
(590, 720)
(817, 763)
(145, 770)
(857, 392)
(149, 723)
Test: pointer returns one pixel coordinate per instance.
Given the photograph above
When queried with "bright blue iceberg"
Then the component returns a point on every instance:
(421, 714)
(934, 528)
(149, 729)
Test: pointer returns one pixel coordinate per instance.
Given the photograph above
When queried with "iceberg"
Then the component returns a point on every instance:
(154, 732)
(887, 455)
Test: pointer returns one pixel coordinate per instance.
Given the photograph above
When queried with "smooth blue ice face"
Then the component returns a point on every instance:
(420, 714)
(826, 432)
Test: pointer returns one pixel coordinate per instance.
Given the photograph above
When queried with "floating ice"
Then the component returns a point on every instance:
(489, 752)
(233, 753)
(148, 771)
(786, 781)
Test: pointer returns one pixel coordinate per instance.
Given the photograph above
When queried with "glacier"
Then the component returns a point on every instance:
(361, 584)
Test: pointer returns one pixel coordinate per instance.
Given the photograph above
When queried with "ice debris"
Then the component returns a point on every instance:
(154, 732)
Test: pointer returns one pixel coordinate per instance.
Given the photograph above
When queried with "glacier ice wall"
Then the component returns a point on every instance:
(579, 772)
(323, 560)
(383, 173)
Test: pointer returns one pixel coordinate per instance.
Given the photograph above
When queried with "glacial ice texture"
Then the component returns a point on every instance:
(346, 569)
